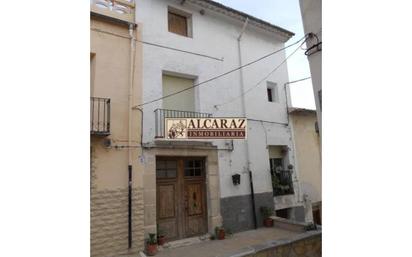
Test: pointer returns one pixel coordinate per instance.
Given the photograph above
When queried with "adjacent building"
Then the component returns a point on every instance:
(116, 211)
(308, 154)
(312, 24)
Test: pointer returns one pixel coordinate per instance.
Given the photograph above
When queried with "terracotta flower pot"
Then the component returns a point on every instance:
(268, 222)
(221, 234)
(151, 249)
(161, 240)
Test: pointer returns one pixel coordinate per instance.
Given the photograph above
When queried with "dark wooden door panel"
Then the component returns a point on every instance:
(167, 216)
(169, 229)
(195, 226)
(195, 215)
(166, 201)
(194, 196)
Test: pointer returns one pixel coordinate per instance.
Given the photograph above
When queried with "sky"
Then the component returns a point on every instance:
(285, 14)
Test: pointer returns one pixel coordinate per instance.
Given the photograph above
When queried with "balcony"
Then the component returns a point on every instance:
(282, 182)
(123, 10)
(99, 116)
(161, 114)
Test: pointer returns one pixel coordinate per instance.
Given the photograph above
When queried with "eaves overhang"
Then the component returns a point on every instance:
(292, 110)
(241, 16)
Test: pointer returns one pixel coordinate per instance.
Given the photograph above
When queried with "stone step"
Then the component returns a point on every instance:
(185, 242)
(289, 224)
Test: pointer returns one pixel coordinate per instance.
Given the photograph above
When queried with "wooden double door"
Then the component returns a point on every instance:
(181, 197)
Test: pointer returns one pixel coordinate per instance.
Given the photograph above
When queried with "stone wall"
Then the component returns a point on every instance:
(109, 222)
(308, 244)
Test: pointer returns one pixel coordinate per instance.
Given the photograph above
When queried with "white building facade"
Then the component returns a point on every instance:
(188, 187)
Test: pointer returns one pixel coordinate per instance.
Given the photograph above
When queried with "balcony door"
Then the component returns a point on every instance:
(181, 197)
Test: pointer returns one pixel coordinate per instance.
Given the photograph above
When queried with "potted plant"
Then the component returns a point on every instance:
(161, 238)
(220, 233)
(151, 245)
(266, 213)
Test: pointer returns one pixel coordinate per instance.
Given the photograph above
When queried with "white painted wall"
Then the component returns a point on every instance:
(216, 35)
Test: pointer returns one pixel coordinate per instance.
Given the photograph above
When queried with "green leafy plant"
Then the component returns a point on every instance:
(311, 226)
(266, 212)
(152, 239)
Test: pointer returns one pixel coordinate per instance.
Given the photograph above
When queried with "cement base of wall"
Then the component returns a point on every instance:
(237, 212)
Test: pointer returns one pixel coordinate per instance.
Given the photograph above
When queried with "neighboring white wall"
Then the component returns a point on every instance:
(312, 23)
(216, 35)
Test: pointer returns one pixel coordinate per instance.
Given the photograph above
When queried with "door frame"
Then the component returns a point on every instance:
(181, 183)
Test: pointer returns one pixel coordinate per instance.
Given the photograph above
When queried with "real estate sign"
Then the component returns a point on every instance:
(205, 128)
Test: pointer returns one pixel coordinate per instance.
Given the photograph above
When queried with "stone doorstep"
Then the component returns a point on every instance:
(289, 224)
(185, 242)
(139, 254)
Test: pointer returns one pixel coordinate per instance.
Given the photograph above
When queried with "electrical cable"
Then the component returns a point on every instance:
(179, 50)
(223, 74)
(158, 45)
(267, 76)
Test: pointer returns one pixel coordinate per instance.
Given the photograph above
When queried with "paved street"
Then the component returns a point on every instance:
(233, 244)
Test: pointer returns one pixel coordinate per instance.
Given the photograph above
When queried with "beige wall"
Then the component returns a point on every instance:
(276, 152)
(185, 101)
(110, 59)
(307, 143)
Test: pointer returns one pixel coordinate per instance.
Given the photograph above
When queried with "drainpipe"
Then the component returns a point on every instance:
(130, 98)
(242, 88)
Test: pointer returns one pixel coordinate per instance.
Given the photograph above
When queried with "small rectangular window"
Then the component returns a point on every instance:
(270, 99)
(194, 168)
(166, 169)
(272, 91)
(178, 23)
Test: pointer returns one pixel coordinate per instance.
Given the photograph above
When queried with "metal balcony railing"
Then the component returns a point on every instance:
(99, 116)
(161, 114)
(118, 9)
(282, 182)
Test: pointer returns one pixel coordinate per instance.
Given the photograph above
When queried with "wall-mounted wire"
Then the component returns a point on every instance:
(317, 47)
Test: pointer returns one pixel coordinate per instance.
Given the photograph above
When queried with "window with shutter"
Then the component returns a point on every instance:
(178, 24)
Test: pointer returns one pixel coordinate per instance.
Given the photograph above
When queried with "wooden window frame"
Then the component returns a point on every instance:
(179, 13)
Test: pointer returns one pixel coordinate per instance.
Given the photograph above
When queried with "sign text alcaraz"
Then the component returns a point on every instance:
(197, 128)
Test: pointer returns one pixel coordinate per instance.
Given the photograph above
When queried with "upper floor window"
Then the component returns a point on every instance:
(272, 92)
(179, 22)
(184, 101)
